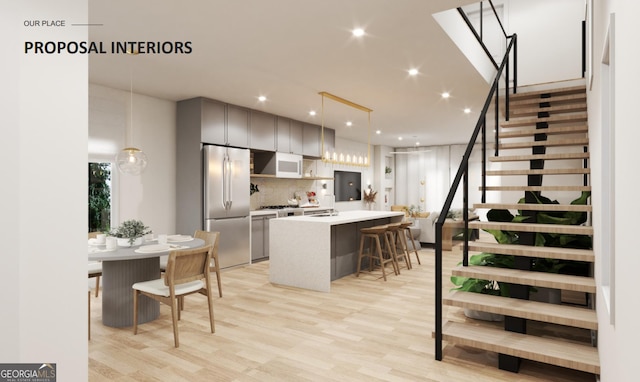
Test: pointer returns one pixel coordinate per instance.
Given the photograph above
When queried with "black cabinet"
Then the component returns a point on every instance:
(263, 131)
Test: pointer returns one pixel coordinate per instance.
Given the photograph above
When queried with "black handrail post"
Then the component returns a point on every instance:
(497, 119)
(484, 158)
(515, 63)
(506, 91)
(438, 271)
(465, 213)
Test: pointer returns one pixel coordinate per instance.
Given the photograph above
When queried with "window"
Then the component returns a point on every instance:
(99, 196)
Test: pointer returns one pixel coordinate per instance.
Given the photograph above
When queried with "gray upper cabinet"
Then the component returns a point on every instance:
(295, 137)
(237, 126)
(263, 131)
(224, 124)
(213, 122)
(289, 136)
(311, 141)
(329, 141)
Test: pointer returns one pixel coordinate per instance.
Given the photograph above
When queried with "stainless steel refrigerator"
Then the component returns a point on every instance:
(226, 202)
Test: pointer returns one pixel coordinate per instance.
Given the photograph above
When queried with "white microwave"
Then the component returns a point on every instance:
(288, 165)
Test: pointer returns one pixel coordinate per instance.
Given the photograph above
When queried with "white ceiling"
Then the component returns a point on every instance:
(289, 50)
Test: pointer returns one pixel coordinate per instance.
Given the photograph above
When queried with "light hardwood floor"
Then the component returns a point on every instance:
(365, 329)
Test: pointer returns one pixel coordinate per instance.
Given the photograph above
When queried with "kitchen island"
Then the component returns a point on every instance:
(311, 251)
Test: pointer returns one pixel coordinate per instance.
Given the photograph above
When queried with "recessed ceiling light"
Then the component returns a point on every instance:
(446, 95)
(358, 32)
(378, 132)
(349, 123)
(262, 98)
(467, 110)
(413, 72)
(417, 143)
(399, 138)
(312, 112)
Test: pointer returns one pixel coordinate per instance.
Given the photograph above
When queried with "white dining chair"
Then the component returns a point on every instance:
(187, 273)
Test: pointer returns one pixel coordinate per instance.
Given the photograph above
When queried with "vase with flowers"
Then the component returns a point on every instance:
(370, 197)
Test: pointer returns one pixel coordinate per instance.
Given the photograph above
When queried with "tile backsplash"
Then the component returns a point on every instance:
(278, 191)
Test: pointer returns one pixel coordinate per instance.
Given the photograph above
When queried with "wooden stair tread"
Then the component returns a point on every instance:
(561, 353)
(573, 254)
(533, 227)
(547, 143)
(557, 91)
(517, 122)
(567, 108)
(519, 158)
(554, 99)
(535, 207)
(536, 188)
(554, 130)
(548, 171)
(531, 310)
(522, 277)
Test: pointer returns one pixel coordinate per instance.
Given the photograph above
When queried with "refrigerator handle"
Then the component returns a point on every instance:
(224, 182)
(230, 183)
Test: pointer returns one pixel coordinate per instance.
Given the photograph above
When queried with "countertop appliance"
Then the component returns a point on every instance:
(284, 210)
(226, 202)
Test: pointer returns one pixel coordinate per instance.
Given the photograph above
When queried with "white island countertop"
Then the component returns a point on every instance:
(345, 217)
(309, 251)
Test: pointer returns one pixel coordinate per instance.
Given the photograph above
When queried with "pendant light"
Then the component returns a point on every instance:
(131, 160)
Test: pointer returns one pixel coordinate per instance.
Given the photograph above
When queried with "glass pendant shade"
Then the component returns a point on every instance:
(131, 160)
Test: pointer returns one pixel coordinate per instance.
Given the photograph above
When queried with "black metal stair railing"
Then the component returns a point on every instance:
(462, 174)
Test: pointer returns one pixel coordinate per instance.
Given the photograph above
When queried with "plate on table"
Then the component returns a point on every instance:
(179, 238)
(94, 242)
(153, 248)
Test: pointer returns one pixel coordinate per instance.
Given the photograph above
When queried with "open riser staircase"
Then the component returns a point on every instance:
(546, 127)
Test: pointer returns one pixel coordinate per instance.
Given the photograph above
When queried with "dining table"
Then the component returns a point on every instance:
(124, 266)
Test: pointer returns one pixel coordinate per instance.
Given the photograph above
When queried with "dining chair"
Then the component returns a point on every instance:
(212, 239)
(95, 267)
(187, 272)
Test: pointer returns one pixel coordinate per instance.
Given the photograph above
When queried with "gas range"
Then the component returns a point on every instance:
(285, 210)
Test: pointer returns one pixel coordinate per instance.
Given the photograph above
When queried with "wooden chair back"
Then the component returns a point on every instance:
(93, 235)
(210, 238)
(187, 265)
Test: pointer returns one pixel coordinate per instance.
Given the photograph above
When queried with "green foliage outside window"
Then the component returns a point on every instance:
(99, 196)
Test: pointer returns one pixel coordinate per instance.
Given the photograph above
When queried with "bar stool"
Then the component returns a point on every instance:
(374, 252)
(405, 226)
(398, 247)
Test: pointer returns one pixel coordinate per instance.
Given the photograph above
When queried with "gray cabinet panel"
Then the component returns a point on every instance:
(329, 141)
(237, 126)
(311, 141)
(295, 137)
(282, 135)
(260, 237)
(263, 131)
(213, 126)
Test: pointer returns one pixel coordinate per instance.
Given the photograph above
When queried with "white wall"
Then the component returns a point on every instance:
(549, 39)
(618, 342)
(151, 196)
(44, 178)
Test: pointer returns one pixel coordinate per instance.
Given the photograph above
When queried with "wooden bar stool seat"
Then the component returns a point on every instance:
(398, 245)
(374, 252)
(405, 226)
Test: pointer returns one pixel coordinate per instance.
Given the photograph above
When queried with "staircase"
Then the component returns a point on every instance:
(545, 126)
